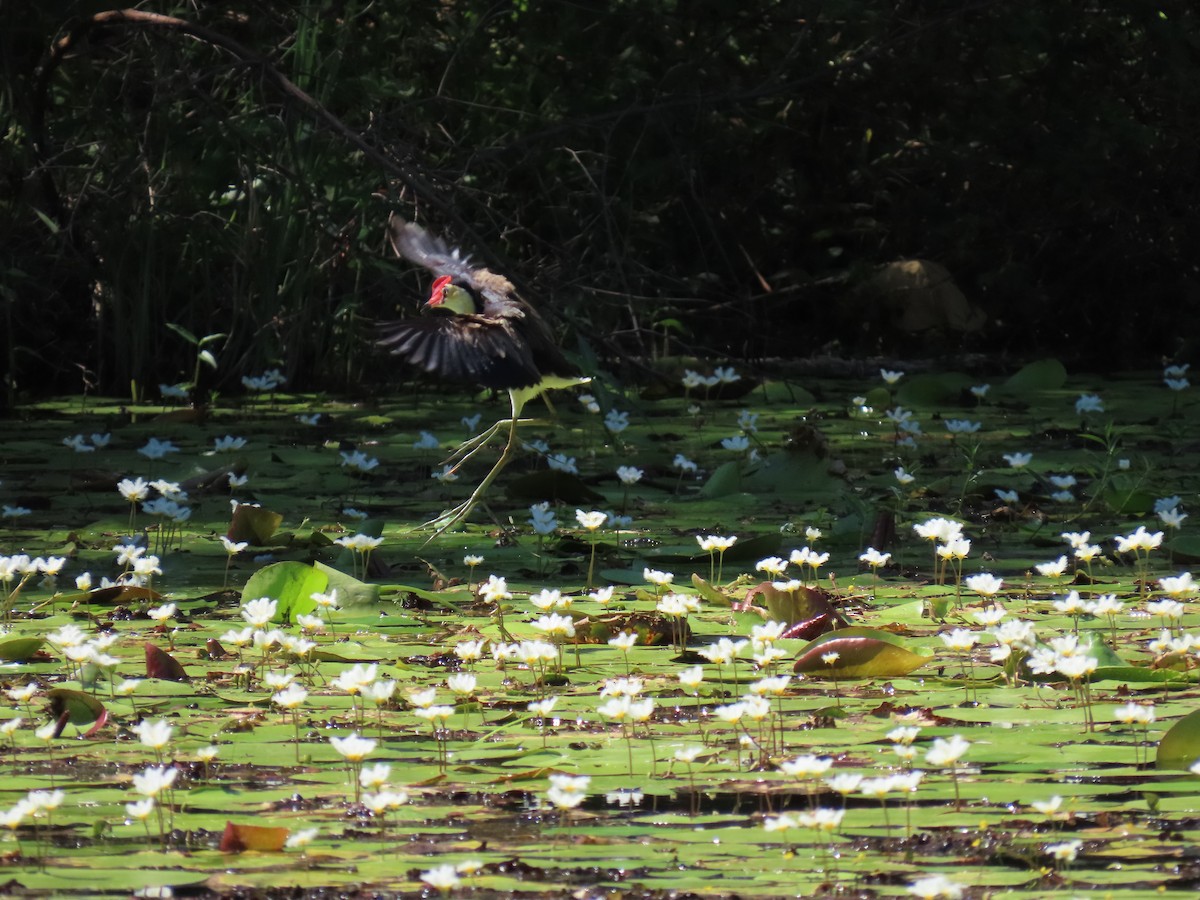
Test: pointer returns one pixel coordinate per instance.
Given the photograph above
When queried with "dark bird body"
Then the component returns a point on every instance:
(479, 332)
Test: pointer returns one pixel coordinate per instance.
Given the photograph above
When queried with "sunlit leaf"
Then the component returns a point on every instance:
(292, 584)
(161, 664)
(806, 611)
(861, 653)
(20, 649)
(1179, 748)
(253, 525)
(80, 709)
(238, 838)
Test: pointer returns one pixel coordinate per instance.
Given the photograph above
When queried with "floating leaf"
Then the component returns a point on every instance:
(725, 479)
(20, 649)
(263, 838)
(709, 592)
(253, 524)
(291, 583)
(791, 473)
(1128, 502)
(1043, 375)
(1184, 549)
(123, 594)
(806, 611)
(351, 592)
(554, 485)
(1180, 746)
(161, 664)
(80, 709)
(932, 389)
(861, 653)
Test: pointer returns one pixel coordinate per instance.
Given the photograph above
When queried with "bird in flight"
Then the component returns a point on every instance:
(478, 332)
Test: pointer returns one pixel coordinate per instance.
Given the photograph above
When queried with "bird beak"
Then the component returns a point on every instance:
(437, 296)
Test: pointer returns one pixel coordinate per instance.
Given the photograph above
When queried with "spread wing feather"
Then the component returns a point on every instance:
(417, 245)
(468, 348)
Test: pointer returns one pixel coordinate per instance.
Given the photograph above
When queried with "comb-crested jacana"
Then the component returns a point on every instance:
(479, 332)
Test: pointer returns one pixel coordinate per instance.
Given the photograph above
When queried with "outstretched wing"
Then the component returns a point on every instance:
(468, 348)
(414, 243)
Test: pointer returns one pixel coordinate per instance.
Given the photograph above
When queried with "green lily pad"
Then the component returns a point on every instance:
(1042, 375)
(1180, 746)
(292, 584)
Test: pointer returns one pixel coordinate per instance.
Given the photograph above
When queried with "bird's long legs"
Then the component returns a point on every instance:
(452, 517)
(472, 444)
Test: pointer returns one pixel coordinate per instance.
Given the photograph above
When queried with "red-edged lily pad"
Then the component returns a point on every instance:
(860, 653)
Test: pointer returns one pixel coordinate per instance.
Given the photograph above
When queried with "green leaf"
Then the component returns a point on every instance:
(351, 592)
(1180, 746)
(862, 653)
(709, 592)
(183, 333)
(291, 583)
(80, 709)
(726, 479)
(935, 390)
(253, 525)
(807, 611)
(1043, 375)
(20, 649)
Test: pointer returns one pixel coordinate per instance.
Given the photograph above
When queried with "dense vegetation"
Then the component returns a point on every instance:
(669, 175)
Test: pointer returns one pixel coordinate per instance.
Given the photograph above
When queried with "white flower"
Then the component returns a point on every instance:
(655, 577)
(590, 520)
(874, 558)
(737, 443)
(228, 442)
(1088, 403)
(156, 449)
(135, 490)
(616, 421)
(259, 612)
(353, 747)
(947, 752)
(1052, 569)
(1018, 460)
(154, 734)
(1047, 807)
(984, 584)
(290, 697)
(560, 462)
(890, 376)
(442, 878)
(683, 464)
(938, 529)
(629, 474)
(959, 639)
(1065, 852)
(140, 809)
(426, 441)
(936, 887)
(154, 780)
(301, 838)
(1178, 586)
(1172, 518)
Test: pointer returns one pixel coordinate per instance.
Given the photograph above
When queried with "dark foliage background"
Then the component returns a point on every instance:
(682, 176)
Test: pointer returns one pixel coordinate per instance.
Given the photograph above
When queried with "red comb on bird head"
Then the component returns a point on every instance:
(437, 293)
